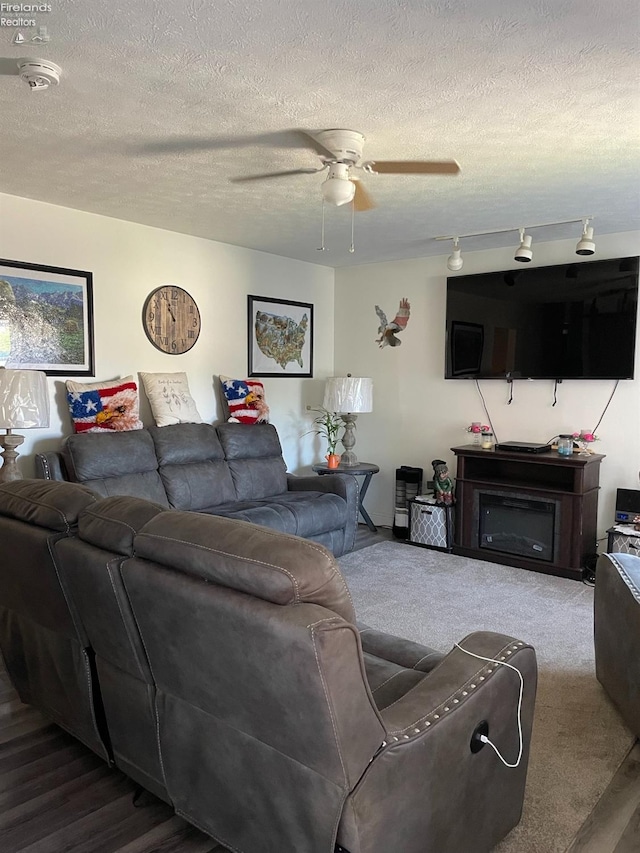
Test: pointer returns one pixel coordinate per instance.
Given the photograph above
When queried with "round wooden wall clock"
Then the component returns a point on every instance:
(171, 319)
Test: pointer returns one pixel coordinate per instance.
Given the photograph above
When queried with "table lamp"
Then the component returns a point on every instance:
(24, 404)
(349, 396)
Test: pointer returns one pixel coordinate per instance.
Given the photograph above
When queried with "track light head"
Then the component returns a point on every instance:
(523, 252)
(454, 261)
(586, 246)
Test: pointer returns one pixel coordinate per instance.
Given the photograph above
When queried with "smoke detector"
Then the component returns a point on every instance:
(39, 73)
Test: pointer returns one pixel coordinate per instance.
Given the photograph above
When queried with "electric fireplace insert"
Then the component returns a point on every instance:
(518, 525)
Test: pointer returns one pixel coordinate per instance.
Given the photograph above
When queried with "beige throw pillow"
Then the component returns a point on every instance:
(170, 399)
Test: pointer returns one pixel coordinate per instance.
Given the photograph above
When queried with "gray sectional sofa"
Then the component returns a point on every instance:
(220, 665)
(232, 470)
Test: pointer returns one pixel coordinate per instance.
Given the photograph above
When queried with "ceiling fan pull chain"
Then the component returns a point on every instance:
(352, 247)
(321, 246)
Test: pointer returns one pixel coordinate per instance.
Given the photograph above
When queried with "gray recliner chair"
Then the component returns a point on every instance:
(617, 633)
(283, 727)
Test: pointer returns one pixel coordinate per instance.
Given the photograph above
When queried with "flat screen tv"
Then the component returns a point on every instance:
(569, 321)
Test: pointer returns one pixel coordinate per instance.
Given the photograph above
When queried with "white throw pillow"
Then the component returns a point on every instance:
(170, 399)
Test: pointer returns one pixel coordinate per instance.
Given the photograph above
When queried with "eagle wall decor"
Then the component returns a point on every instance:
(388, 332)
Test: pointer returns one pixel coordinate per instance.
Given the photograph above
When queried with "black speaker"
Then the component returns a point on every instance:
(408, 485)
(627, 504)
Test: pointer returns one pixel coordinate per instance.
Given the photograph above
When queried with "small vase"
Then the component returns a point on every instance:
(333, 460)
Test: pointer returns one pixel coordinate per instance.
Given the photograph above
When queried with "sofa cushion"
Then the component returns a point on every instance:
(112, 523)
(254, 456)
(301, 513)
(273, 566)
(388, 680)
(119, 463)
(192, 466)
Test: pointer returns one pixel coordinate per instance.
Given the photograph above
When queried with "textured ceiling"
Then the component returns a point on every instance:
(538, 101)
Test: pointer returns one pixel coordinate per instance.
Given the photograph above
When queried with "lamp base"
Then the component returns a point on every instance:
(10, 470)
(348, 459)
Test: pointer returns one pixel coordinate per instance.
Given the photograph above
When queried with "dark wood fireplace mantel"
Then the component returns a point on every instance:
(569, 483)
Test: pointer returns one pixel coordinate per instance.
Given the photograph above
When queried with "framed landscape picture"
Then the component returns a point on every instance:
(280, 336)
(46, 319)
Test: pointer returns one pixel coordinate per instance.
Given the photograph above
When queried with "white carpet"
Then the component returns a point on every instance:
(578, 739)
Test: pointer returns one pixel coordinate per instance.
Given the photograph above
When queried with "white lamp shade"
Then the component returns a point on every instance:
(24, 399)
(348, 394)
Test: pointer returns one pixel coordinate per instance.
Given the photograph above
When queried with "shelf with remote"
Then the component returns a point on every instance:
(535, 511)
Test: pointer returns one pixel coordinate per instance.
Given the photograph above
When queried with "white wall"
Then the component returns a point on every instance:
(127, 262)
(418, 415)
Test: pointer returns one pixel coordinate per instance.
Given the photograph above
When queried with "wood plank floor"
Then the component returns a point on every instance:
(56, 796)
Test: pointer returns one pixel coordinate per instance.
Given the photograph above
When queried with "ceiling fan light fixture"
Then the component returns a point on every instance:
(523, 252)
(586, 246)
(455, 261)
(338, 191)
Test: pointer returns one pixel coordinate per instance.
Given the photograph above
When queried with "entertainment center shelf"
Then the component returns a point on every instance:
(534, 511)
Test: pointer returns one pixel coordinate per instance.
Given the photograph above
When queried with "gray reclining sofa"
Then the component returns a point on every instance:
(617, 633)
(233, 470)
(221, 664)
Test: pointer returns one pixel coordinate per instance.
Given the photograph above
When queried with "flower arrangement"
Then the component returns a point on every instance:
(584, 438)
(477, 428)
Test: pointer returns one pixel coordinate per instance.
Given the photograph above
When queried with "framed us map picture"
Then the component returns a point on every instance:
(280, 336)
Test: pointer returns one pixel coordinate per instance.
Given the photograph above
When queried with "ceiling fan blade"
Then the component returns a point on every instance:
(415, 167)
(310, 141)
(8, 66)
(242, 178)
(291, 139)
(362, 200)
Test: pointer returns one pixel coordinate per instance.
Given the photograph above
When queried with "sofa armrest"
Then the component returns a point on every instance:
(447, 689)
(340, 484)
(50, 466)
(343, 485)
(431, 776)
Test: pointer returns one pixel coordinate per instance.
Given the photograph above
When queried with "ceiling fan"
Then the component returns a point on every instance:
(341, 154)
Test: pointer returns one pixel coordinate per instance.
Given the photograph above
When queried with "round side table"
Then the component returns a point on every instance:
(363, 469)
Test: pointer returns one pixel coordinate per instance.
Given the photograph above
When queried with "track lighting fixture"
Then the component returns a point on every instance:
(586, 246)
(338, 189)
(523, 252)
(454, 261)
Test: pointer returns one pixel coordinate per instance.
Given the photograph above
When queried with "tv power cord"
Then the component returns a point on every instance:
(480, 736)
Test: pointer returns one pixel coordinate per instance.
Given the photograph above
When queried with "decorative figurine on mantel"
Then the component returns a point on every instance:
(442, 483)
